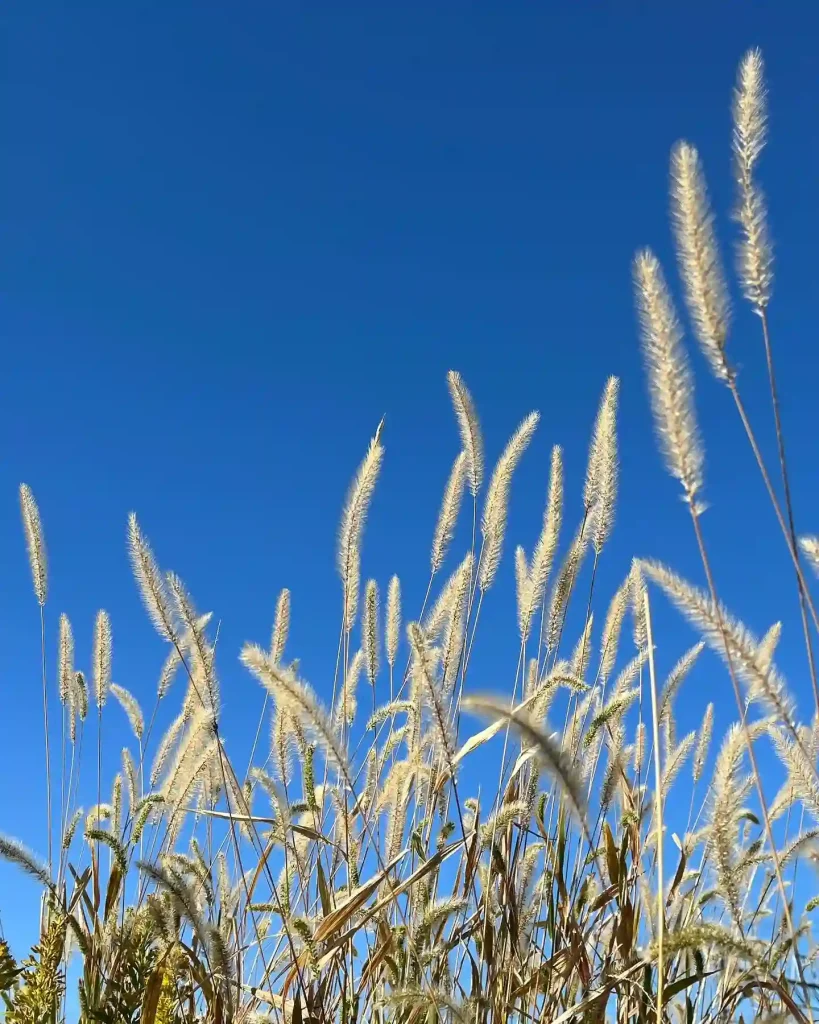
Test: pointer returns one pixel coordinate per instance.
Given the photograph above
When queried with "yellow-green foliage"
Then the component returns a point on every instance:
(35, 997)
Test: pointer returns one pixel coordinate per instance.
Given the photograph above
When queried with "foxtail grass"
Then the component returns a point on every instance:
(401, 848)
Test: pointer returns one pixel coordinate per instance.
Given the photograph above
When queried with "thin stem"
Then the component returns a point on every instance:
(62, 811)
(47, 744)
(658, 782)
(751, 755)
(805, 599)
(99, 760)
(786, 486)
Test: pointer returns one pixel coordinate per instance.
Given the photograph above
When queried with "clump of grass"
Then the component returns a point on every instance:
(355, 871)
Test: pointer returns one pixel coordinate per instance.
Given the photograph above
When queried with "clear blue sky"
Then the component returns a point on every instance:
(233, 236)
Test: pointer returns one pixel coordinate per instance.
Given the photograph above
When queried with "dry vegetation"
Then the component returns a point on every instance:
(348, 875)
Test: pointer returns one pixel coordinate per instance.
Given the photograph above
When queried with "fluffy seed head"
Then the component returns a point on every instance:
(166, 745)
(579, 661)
(754, 250)
(553, 758)
(281, 746)
(370, 630)
(455, 624)
(101, 658)
(150, 580)
(393, 619)
(675, 678)
(35, 543)
(768, 644)
(669, 377)
(442, 727)
(544, 553)
(610, 638)
(564, 585)
(471, 438)
(704, 742)
(639, 749)
(353, 519)
(810, 545)
(281, 627)
(81, 695)
(637, 599)
(13, 851)
(600, 492)
(130, 705)
(729, 639)
(204, 685)
(448, 516)
(493, 523)
(522, 590)
(300, 701)
(129, 773)
(446, 604)
(65, 660)
(698, 257)
(750, 111)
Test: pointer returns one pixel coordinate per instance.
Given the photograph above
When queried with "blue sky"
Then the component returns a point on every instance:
(232, 237)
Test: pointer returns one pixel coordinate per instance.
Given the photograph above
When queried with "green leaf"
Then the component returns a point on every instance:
(324, 891)
(681, 984)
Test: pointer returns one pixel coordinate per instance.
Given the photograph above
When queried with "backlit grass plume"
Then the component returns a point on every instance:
(550, 753)
(703, 742)
(448, 515)
(670, 382)
(281, 627)
(353, 519)
(496, 507)
(131, 707)
(810, 545)
(101, 658)
(14, 851)
(536, 576)
(372, 638)
(754, 251)
(698, 256)
(471, 437)
(393, 626)
(600, 492)
(65, 660)
(150, 580)
(728, 638)
(35, 543)
(300, 700)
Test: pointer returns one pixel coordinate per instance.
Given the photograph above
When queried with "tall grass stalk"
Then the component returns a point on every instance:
(658, 799)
